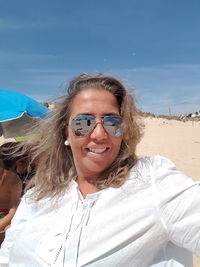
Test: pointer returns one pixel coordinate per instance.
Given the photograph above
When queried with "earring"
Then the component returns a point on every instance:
(66, 143)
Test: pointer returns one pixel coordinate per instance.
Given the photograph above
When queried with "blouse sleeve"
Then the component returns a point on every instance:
(178, 201)
(18, 221)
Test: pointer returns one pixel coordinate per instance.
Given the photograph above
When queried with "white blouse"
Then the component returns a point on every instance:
(152, 220)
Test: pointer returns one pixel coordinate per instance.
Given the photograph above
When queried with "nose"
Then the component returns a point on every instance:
(99, 132)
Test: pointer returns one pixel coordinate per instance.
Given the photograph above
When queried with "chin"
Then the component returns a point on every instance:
(95, 169)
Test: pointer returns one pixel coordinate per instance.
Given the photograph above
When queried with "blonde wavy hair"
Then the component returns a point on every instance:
(55, 165)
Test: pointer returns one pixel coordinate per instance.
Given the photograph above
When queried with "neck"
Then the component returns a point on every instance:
(86, 186)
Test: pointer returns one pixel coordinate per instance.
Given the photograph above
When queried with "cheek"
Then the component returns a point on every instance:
(76, 143)
(119, 141)
(117, 144)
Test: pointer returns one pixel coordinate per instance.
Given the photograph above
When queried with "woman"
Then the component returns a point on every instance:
(93, 202)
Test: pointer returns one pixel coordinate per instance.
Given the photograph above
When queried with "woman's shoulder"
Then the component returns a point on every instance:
(161, 171)
(147, 164)
(153, 163)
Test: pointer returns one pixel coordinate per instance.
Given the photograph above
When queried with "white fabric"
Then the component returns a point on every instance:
(152, 220)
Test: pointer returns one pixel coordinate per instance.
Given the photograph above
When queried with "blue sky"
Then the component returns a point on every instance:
(153, 46)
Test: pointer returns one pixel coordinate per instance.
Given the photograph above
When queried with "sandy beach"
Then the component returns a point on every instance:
(177, 140)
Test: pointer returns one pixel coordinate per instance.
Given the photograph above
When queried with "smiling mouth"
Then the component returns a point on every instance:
(97, 150)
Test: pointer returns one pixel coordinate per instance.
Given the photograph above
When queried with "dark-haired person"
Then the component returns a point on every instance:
(93, 202)
(18, 164)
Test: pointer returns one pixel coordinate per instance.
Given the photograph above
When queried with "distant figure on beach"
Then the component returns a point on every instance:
(10, 195)
(92, 201)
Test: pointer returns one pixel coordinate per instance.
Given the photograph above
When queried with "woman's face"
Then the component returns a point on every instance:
(96, 151)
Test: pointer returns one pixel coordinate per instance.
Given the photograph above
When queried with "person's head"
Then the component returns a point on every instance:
(98, 118)
(18, 164)
(94, 131)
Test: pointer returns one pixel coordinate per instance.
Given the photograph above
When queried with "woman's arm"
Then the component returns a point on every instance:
(178, 202)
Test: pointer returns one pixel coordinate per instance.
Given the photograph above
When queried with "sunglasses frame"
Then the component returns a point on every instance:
(113, 130)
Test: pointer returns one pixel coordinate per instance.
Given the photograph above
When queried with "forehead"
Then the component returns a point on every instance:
(94, 101)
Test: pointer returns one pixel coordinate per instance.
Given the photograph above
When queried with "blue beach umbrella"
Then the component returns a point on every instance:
(18, 113)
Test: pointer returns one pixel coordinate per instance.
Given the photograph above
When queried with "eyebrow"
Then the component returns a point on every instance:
(103, 115)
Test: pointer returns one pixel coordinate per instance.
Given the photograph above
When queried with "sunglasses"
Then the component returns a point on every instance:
(83, 125)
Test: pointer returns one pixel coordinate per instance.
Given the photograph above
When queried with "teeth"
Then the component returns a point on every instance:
(97, 150)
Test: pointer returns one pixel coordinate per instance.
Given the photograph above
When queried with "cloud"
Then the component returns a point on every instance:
(160, 87)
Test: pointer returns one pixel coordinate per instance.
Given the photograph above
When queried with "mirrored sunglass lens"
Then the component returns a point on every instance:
(82, 125)
(112, 125)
